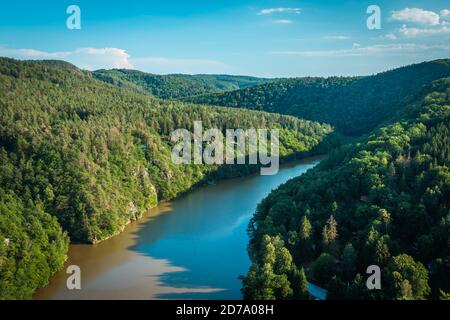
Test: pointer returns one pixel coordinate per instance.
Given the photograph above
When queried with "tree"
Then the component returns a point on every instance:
(268, 251)
(348, 261)
(444, 295)
(323, 268)
(408, 278)
(299, 284)
(385, 218)
(305, 231)
(329, 232)
(336, 289)
(283, 263)
(330, 235)
(305, 238)
(382, 253)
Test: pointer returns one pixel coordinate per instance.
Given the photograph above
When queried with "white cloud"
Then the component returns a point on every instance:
(374, 50)
(32, 54)
(444, 13)
(410, 32)
(85, 58)
(279, 10)
(93, 58)
(282, 21)
(338, 37)
(107, 58)
(416, 15)
(390, 36)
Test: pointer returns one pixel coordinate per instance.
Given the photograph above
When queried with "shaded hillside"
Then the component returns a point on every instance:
(354, 105)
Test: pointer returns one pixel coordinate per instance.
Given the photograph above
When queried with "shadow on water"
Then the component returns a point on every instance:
(204, 233)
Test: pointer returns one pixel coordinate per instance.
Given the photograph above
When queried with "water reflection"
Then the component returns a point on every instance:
(192, 248)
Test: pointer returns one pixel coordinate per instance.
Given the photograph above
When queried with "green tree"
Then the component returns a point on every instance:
(409, 278)
(348, 260)
(299, 284)
(324, 268)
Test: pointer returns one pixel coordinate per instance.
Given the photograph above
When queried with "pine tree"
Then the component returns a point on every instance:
(299, 284)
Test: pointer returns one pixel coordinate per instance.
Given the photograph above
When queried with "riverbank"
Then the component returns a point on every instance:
(153, 257)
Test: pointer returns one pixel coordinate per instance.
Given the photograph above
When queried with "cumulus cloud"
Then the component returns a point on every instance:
(374, 50)
(279, 10)
(444, 13)
(85, 58)
(416, 15)
(92, 58)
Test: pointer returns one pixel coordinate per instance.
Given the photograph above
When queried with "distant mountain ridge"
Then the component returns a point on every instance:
(175, 86)
(354, 105)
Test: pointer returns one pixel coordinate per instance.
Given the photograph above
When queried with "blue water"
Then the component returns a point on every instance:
(205, 233)
(194, 247)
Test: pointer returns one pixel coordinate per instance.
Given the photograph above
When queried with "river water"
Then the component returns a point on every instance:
(194, 247)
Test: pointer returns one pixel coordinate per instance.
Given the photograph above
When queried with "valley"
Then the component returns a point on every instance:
(84, 154)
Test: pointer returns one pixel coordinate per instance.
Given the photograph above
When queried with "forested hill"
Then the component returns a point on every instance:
(175, 86)
(353, 105)
(80, 158)
(381, 201)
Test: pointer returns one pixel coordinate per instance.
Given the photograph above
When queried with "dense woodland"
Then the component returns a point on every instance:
(80, 158)
(83, 153)
(175, 86)
(382, 200)
(353, 105)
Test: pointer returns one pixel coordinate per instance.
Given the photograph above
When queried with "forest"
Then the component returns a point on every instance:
(381, 200)
(84, 153)
(354, 105)
(80, 158)
(175, 86)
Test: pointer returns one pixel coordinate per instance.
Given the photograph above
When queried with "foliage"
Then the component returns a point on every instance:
(354, 105)
(385, 196)
(86, 157)
(175, 86)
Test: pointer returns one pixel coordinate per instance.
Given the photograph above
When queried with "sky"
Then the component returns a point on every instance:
(259, 38)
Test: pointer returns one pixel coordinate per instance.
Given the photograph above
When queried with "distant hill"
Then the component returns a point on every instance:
(175, 86)
(354, 105)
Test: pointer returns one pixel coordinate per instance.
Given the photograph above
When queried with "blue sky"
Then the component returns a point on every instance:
(261, 38)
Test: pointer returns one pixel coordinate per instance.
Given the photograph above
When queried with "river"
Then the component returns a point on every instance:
(194, 247)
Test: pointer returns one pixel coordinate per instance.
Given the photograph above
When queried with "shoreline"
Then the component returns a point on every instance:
(133, 225)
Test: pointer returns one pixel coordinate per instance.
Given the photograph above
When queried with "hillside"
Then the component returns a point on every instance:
(383, 200)
(174, 86)
(80, 158)
(354, 106)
